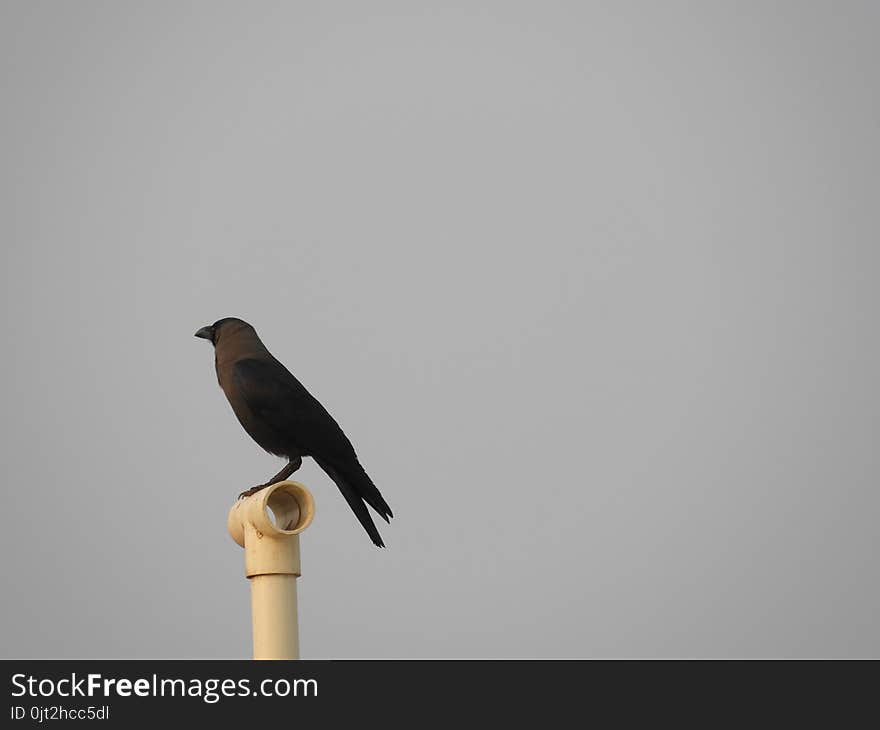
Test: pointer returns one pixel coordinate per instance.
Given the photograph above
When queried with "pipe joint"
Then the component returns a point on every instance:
(267, 525)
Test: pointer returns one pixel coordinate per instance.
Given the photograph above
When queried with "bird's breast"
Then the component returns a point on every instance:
(255, 426)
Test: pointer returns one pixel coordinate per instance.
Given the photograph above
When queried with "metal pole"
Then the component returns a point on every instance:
(267, 525)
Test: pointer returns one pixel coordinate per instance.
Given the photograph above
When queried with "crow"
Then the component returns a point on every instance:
(286, 420)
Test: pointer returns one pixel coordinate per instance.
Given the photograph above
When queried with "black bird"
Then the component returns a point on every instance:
(286, 420)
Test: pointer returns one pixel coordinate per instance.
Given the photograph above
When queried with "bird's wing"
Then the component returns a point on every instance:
(283, 404)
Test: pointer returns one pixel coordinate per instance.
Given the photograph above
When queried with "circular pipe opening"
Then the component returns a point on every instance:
(287, 508)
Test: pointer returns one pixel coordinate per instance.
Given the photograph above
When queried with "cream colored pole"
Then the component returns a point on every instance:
(271, 558)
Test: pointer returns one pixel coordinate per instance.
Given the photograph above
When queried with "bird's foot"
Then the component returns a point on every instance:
(253, 490)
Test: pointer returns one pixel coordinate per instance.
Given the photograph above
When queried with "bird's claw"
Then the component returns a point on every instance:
(253, 490)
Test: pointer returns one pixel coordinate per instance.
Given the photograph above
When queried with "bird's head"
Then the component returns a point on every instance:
(221, 328)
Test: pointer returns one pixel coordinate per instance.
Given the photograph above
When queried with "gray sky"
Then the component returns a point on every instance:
(591, 287)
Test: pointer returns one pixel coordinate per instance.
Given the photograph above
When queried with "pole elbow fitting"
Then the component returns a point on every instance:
(267, 525)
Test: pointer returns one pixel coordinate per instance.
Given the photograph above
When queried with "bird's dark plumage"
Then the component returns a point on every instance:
(285, 419)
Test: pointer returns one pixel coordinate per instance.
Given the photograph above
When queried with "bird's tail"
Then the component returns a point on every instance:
(357, 488)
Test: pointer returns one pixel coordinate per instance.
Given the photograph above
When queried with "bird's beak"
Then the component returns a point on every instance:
(206, 333)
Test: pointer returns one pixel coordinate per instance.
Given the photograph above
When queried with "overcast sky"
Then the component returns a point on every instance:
(592, 288)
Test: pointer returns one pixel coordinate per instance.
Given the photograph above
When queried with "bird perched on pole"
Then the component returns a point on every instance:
(286, 420)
